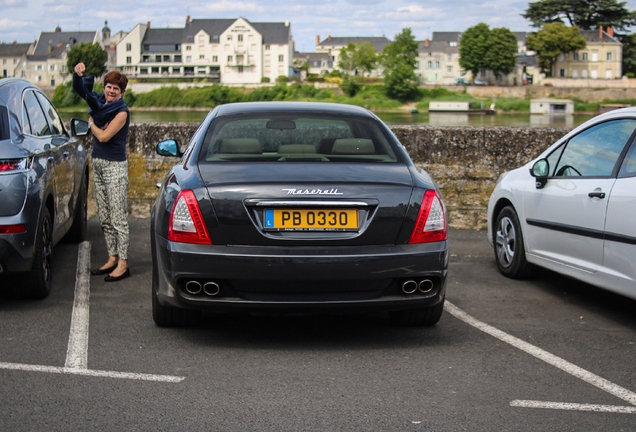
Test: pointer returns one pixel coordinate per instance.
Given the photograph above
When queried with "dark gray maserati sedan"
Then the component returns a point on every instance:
(291, 207)
(43, 186)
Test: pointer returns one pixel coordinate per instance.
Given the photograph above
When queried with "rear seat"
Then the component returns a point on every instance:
(240, 146)
(296, 149)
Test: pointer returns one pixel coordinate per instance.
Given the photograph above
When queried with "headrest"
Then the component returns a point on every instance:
(353, 146)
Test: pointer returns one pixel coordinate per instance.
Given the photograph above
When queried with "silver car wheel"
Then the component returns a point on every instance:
(505, 239)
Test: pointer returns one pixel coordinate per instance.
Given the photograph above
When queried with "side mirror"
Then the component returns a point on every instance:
(540, 171)
(79, 127)
(169, 148)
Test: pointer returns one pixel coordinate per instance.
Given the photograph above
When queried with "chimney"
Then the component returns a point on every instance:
(317, 40)
(610, 31)
(427, 42)
(600, 32)
(147, 25)
(329, 37)
(188, 20)
(286, 23)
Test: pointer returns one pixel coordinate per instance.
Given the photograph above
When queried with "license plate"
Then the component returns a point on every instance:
(329, 219)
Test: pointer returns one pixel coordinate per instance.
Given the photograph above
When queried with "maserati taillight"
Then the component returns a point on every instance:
(430, 225)
(186, 223)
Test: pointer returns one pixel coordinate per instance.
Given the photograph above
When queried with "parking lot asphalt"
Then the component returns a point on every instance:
(543, 354)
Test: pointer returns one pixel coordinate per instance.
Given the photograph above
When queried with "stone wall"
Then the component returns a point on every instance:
(465, 161)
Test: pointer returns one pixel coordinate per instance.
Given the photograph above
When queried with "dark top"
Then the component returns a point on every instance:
(103, 113)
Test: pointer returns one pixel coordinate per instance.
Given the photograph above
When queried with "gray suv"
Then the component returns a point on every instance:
(43, 186)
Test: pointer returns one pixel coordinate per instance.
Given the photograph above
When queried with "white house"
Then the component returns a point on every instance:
(229, 51)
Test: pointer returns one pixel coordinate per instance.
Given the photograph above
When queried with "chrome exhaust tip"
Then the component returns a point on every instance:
(211, 288)
(425, 285)
(193, 287)
(409, 287)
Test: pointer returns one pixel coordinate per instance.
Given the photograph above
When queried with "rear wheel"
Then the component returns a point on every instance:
(422, 317)
(510, 252)
(37, 283)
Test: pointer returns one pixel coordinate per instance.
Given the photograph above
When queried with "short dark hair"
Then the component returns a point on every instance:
(116, 78)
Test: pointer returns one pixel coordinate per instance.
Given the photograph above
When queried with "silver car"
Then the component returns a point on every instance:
(572, 209)
(43, 186)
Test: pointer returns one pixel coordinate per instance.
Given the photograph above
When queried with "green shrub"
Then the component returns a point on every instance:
(265, 79)
(281, 79)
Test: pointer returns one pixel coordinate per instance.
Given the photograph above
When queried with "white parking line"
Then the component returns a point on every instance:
(573, 406)
(91, 373)
(77, 351)
(553, 360)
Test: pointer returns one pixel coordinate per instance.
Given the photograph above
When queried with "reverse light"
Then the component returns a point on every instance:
(186, 223)
(430, 225)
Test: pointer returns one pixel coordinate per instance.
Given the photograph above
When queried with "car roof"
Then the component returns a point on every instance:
(313, 107)
(8, 89)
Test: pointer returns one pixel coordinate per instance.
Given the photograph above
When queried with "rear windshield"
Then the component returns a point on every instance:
(293, 137)
(4, 123)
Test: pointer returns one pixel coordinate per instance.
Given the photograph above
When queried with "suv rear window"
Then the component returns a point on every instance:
(4, 123)
(297, 137)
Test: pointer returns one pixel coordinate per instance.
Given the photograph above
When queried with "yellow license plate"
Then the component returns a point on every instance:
(326, 219)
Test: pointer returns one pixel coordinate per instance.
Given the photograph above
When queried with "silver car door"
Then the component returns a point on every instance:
(565, 220)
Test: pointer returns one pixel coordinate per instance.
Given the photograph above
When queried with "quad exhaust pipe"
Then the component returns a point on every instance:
(424, 286)
(210, 288)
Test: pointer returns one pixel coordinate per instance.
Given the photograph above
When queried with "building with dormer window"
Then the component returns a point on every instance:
(11, 55)
(46, 66)
(229, 51)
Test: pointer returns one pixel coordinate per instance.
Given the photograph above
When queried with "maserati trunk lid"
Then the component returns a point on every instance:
(308, 203)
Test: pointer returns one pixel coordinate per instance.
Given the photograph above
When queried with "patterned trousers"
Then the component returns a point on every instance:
(111, 190)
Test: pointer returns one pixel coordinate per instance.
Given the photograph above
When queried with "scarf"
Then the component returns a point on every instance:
(101, 111)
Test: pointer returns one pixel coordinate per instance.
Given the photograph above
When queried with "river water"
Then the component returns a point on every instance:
(432, 119)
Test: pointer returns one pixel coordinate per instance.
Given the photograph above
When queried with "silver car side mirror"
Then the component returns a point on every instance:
(540, 171)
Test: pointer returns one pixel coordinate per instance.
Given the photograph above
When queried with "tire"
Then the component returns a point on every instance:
(510, 253)
(37, 283)
(77, 233)
(168, 316)
(422, 317)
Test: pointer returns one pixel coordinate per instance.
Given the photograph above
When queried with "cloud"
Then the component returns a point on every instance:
(12, 25)
(13, 3)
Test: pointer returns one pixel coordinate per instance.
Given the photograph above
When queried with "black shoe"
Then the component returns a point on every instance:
(124, 275)
(98, 272)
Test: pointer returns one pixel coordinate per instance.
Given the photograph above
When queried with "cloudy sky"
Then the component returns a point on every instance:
(23, 20)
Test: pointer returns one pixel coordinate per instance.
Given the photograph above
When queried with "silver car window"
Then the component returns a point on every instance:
(628, 169)
(55, 122)
(594, 152)
(36, 118)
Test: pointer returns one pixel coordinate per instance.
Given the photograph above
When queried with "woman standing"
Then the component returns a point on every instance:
(109, 122)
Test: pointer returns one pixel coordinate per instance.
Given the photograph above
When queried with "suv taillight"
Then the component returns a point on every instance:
(430, 225)
(186, 223)
(8, 165)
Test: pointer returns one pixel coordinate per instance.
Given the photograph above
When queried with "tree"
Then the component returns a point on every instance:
(552, 40)
(585, 14)
(399, 59)
(501, 57)
(358, 58)
(474, 47)
(92, 55)
(629, 53)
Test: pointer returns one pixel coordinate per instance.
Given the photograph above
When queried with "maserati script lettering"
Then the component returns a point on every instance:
(312, 192)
